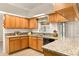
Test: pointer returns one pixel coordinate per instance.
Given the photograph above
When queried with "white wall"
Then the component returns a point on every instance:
(72, 29)
(1, 27)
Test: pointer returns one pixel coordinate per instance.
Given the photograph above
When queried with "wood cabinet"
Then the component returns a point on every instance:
(9, 21)
(33, 42)
(55, 18)
(40, 44)
(33, 23)
(14, 44)
(30, 41)
(15, 22)
(22, 23)
(17, 43)
(68, 13)
(26, 21)
(6, 21)
(59, 6)
(12, 22)
(36, 43)
(11, 45)
(24, 42)
(67, 10)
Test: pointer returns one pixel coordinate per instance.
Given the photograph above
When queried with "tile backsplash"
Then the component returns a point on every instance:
(14, 30)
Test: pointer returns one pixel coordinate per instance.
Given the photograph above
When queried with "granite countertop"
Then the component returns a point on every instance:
(16, 36)
(66, 46)
(43, 36)
(22, 35)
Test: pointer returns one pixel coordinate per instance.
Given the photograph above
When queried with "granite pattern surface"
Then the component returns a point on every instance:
(66, 46)
(43, 36)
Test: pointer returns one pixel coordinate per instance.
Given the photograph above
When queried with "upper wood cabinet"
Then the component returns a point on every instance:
(55, 17)
(69, 13)
(17, 22)
(59, 6)
(14, 22)
(67, 10)
(33, 23)
(25, 23)
(9, 21)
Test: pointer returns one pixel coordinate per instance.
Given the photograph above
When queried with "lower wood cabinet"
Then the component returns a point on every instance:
(30, 41)
(17, 43)
(40, 44)
(24, 42)
(36, 43)
(33, 42)
(11, 45)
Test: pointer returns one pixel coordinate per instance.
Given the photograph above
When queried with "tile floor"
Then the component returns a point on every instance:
(26, 52)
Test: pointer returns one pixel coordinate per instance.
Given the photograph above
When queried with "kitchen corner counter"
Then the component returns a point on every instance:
(66, 46)
(43, 36)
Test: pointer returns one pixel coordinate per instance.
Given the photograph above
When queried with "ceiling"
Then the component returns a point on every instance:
(27, 9)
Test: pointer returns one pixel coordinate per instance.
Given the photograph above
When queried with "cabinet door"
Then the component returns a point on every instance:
(34, 43)
(23, 23)
(51, 18)
(7, 23)
(60, 6)
(26, 23)
(33, 23)
(12, 21)
(30, 41)
(17, 44)
(55, 18)
(11, 45)
(18, 22)
(24, 42)
(40, 44)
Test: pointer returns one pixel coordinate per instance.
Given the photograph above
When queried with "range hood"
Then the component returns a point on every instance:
(43, 21)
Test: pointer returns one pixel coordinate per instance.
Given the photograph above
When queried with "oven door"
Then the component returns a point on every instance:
(47, 40)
